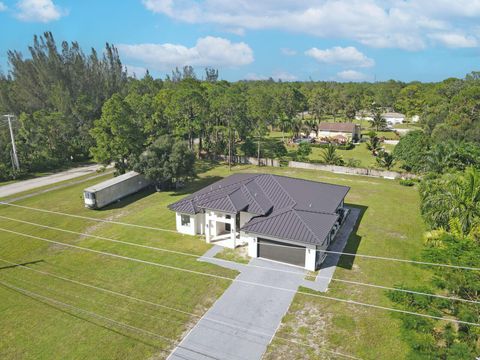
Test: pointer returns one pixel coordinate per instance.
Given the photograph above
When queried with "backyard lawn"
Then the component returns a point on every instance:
(34, 329)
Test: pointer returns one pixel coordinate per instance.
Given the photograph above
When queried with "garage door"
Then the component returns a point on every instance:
(286, 253)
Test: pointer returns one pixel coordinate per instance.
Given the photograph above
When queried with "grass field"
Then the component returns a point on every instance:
(34, 329)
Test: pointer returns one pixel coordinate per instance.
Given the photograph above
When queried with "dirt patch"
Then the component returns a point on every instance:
(306, 330)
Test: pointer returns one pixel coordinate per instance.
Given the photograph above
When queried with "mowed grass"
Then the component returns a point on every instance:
(390, 226)
(39, 329)
(33, 329)
(359, 152)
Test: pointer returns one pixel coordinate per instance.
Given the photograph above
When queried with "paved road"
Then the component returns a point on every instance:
(26, 185)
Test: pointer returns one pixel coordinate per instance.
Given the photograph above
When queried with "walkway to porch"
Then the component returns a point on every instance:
(226, 240)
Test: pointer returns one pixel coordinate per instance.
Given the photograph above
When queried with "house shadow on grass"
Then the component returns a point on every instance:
(346, 261)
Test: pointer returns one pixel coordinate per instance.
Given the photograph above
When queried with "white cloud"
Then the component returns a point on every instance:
(208, 51)
(347, 56)
(452, 40)
(255, 76)
(135, 71)
(288, 52)
(405, 24)
(284, 76)
(38, 11)
(3, 7)
(277, 75)
(351, 75)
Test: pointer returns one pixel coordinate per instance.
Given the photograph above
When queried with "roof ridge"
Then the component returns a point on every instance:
(262, 218)
(226, 186)
(251, 196)
(274, 177)
(304, 223)
(316, 211)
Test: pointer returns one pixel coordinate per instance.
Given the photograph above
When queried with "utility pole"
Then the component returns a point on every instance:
(16, 164)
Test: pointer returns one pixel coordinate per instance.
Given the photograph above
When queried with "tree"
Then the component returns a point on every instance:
(117, 135)
(378, 121)
(452, 196)
(166, 162)
(330, 156)
(374, 144)
(412, 149)
(385, 159)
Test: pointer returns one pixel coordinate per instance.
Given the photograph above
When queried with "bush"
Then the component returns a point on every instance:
(348, 146)
(353, 163)
(407, 182)
(304, 149)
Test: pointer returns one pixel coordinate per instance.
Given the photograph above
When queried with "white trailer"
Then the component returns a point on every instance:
(107, 192)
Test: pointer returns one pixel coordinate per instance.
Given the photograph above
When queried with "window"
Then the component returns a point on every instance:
(228, 216)
(228, 227)
(185, 220)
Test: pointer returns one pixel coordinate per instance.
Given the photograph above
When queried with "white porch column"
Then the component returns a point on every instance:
(233, 230)
(208, 226)
(310, 256)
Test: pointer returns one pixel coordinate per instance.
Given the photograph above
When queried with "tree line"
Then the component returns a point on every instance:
(74, 106)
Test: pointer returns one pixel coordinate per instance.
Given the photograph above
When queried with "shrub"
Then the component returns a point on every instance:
(407, 182)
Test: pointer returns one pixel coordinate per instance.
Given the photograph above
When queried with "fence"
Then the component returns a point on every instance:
(352, 171)
(322, 167)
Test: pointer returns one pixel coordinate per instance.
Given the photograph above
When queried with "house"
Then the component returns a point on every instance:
(393, 118)
(280, 218)
(351, 131)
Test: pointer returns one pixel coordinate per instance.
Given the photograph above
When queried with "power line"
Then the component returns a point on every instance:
(98, 316)
(89, 218)
(348, 301)
(129, 297)
(248, 265)
(278, 245)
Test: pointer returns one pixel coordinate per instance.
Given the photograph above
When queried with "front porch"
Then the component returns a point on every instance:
(229, 240)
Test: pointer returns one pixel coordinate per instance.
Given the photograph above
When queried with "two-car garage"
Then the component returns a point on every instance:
(280, 251)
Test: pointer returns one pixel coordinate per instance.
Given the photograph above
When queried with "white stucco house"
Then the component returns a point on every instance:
(280, 218)
(392, 118)
(350, 131)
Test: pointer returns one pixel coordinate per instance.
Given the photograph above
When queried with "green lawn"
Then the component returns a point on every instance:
(31, 329)
(359, 152)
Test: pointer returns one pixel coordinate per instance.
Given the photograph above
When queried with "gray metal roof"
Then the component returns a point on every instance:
(288, 208)
(296, 225)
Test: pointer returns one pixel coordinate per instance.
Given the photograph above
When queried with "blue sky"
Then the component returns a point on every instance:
(344, 40)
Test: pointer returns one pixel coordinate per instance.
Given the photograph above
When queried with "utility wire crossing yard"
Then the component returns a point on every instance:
(169, 274)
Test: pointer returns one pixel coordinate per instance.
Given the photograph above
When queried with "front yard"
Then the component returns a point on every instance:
(30, 329)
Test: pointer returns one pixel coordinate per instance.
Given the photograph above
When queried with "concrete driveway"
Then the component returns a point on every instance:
(25, 185)
(243, 321)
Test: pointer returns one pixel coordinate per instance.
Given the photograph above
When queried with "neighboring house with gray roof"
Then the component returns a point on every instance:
(280, 218)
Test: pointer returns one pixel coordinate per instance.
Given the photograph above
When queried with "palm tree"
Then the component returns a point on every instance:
(378, 121)
(285, 124)
(330, 156)
(453, 196)
(374, 145)
(385, 160)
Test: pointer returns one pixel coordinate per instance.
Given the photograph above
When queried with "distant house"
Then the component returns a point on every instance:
(282, 219)
(350, 131)
(393, 118)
